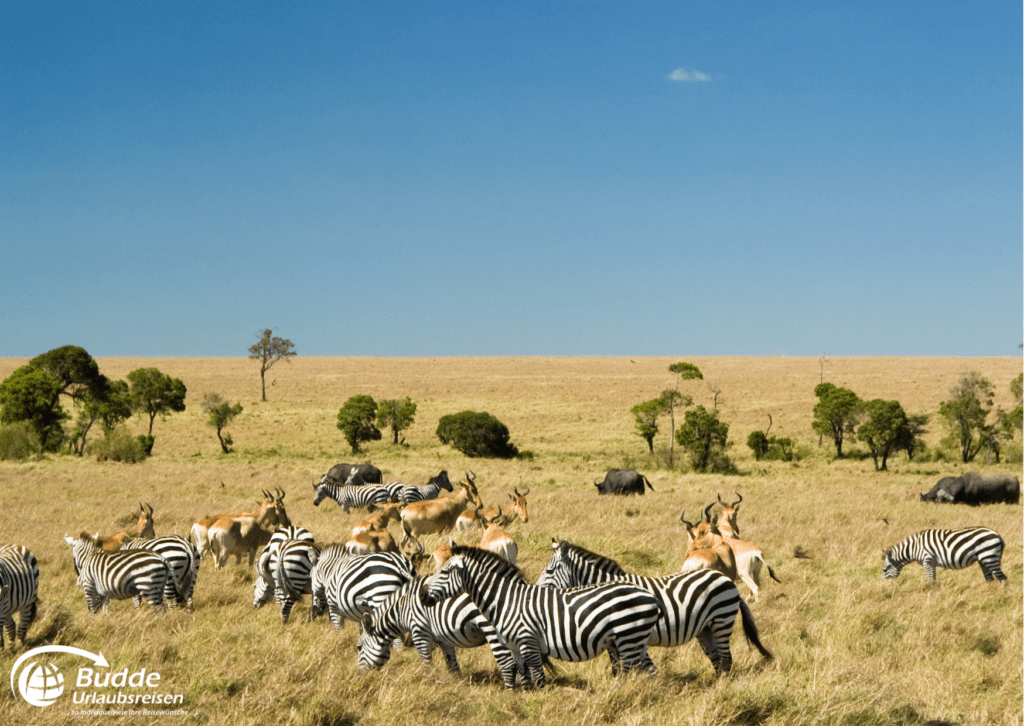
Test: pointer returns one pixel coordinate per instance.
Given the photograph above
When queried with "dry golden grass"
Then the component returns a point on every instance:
(850, 648)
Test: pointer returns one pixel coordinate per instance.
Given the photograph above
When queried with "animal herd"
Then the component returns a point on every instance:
(582, 605)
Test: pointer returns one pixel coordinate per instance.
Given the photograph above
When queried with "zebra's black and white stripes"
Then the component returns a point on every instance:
(181, 555)
(119, 575)
(572, 625)
(954, 549)
(347, 497)
(348, 586)
(19, 587)
(701, 604)
(430, 490)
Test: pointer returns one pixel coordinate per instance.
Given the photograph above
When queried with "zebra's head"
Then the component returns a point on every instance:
(321, 491)
(447, 582)
(557, 573)
(890, 567)
(374, 643)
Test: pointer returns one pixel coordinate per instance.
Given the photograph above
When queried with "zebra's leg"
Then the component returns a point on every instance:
(929, 567)
(634, 655)
(423, 642)
(28, 616)
(708, 645)
(450, 659)
(533, 663)
(8, 627)
(287, 604)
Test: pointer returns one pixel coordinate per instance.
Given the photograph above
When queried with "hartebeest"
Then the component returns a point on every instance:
(380, 519)
(749, 557)
(200, 532)
(434, 516)
(497, 540)
(707, 548)
(245, 535)
(366, 543)
(142, 528)
(471, 520)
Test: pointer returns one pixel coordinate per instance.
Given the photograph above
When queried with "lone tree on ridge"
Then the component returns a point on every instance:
(268, 350)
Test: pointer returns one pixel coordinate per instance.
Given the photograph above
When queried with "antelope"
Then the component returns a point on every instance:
(468, 521)
(434, 516)
(239, 535)
(200, 532)
(142, 528)
(366, 543)
(749, 558)
(707, 548)
(498, 540)
(379, 520)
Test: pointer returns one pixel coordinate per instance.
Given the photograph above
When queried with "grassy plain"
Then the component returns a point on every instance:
(849, 648)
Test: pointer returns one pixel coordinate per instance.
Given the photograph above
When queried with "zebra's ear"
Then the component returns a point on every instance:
(68, 539)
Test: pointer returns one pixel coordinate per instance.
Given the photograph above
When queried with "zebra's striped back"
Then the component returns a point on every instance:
(430, 490)
(351, 585)
(19, 587)
(293, 579)
(181, 555)
(572, 625)
(701, 604)
(347, 497)
(454, 623)
(122, 574)
(953, 549)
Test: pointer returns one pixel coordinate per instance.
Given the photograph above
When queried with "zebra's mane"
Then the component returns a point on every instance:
(494, 563)
(606, 564)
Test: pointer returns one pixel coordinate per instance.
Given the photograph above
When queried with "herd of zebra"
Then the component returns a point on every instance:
(583, 604)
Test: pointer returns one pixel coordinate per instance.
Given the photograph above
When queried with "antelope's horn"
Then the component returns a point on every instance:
(682, 518)
(150, 508)
(707, 511)
(737, 502)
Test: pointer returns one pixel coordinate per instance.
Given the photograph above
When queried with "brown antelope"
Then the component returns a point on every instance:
(142, 528)
(498, 540)
(366, 543)
(380, 519)
(469, 521)
(200, 532)
(247, 534)
(435, 516)
(707, 548)
(749, 558)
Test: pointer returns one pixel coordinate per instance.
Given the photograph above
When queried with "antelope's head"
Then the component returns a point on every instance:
(519, 504)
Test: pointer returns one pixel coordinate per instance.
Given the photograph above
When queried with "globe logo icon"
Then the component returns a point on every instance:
(41, 683)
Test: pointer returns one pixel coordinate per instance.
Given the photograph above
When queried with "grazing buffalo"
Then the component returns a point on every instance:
(622, 481)
(340, 473)
(975, 488)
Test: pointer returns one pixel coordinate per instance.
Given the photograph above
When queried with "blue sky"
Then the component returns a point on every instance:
(533, 178)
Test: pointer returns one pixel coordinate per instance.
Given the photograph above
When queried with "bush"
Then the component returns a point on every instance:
(18, 442)
(476, 435)
(118, 445)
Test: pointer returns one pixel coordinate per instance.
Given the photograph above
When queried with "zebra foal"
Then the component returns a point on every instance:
(953, 549)
(19, 585)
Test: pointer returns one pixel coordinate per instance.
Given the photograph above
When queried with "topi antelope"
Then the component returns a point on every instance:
(142, 528)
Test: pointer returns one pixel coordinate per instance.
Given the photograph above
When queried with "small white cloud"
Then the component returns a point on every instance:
(688, 75)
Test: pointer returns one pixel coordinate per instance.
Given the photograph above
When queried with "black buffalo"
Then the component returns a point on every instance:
(975, 488)
(341, 472)
(622, 481)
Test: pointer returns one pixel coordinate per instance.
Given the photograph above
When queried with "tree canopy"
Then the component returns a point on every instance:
(268, 350)
(356, 421)
(705, 438)
(966, 412)
(885, 429)
(396, 415)
(836, 413)
(219, 413)
(155, 394)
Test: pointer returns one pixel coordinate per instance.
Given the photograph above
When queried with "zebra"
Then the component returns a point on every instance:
(347, 497)
(181, 555)
(395, 488)
(701, 604)
(348, 586)
(453, 623)
(265, 585)
(951, 548)
(122, 574)
(572, 625)
(19, 587)
(430, 490)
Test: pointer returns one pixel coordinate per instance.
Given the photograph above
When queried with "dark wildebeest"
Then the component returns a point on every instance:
(975, 488)
(622, 481)
(340, 473)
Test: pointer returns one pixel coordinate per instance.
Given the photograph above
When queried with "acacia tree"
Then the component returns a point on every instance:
(156, 394)
(705, 438)
(268, 350)
(396, 415)
(32, 395)
(219, 413)
(835, 413)
(109, 403)
(885, 428)
(355, 419)
(966, 412)
(646, 414)
(683, 372)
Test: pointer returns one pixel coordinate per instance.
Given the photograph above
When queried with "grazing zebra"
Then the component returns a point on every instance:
(572, 625)
(181, 555)
(360, 497)
(19, 585)
(348, 586)
(954, 549)
(294, 571)
(105, 576)
(265, 586)
(453, 623)
(700, 604)
(430, 490)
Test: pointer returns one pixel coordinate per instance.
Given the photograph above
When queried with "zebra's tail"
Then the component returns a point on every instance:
(750, 630)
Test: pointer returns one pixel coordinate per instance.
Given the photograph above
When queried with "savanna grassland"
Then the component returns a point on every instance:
(849, 648)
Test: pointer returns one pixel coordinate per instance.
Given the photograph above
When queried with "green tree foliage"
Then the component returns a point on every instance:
(836, 413)
(155, 394)
(885, 429)
(396, 415)
(912, 441)
(705, 439)
(220, 413)
(74, 369)
(107, 402)
(32, 395)
(646, 415)
(966, 412)
(18, 441)
(673, 398)
(268, 350)
(476, 434)
(356, 421)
